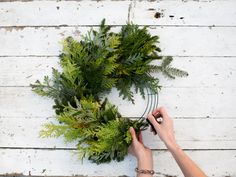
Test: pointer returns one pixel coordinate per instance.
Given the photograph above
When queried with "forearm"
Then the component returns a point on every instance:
(165, 130)
(145, 164)
(187, 166)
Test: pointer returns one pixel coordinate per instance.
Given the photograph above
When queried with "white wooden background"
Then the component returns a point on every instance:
(201, 35)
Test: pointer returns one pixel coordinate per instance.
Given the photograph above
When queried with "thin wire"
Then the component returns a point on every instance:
(150, 107)
(147, 103)
(152, 102)
(155, 98)
(156, 101)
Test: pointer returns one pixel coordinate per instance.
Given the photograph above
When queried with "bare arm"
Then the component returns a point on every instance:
(166, 133)
(187, 166)
(142, 153)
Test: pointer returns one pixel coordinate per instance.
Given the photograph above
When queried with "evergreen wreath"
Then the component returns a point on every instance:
(91, 67)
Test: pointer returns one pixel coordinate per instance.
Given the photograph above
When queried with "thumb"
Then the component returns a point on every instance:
(133, 134)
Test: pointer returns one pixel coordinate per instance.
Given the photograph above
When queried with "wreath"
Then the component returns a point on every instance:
(91, 67)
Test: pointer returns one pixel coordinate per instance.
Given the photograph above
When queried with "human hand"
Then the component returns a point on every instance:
(165, 130)
(140, 151)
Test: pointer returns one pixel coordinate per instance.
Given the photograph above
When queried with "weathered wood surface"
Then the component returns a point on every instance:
(65, 13)
(175, 41)
(174, 12)
(185, 102)
(218, 71)
(201, 35)
(184, 13)
(190, 133)
(218, 163)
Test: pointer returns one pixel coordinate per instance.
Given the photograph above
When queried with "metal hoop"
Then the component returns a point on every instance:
(152, 102)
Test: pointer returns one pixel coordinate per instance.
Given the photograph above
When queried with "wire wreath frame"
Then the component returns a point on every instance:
(152, 102)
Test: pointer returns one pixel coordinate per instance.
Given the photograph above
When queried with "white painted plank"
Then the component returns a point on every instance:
(184, 13)
(61, 162)
(47, 13)
(186, 102)
(178, 41)
(23, 71)
(218, 71)
(51, 13)
(203, 72)
(190, 134)
(199, 134)
(181, 102)
(208, 91)
(22, 102)
(191, 41)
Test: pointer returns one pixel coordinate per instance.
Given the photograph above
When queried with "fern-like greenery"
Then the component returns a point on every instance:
(91, 67)
(102, 134)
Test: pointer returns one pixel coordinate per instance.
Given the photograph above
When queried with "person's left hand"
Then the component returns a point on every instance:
(140, 151)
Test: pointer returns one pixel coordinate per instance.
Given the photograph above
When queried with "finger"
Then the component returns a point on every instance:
(140, 138)
(155, 112)
(133, 134)
(152, 131)
(153, 121)
(131, 150)
(162, 111)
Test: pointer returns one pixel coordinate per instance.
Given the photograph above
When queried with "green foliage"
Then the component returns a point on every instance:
(136, 52)
(167, 70)
(91, 67)
(102, 134)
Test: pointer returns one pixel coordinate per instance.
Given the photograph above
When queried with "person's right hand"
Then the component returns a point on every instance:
(165, 130)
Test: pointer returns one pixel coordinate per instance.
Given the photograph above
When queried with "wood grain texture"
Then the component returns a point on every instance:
(180, 102)
(184, 13)
(218, 71)
(199, 34)
(65, 13)
(174, 12)
(190, 134)
(179, 41)
(63, 162)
